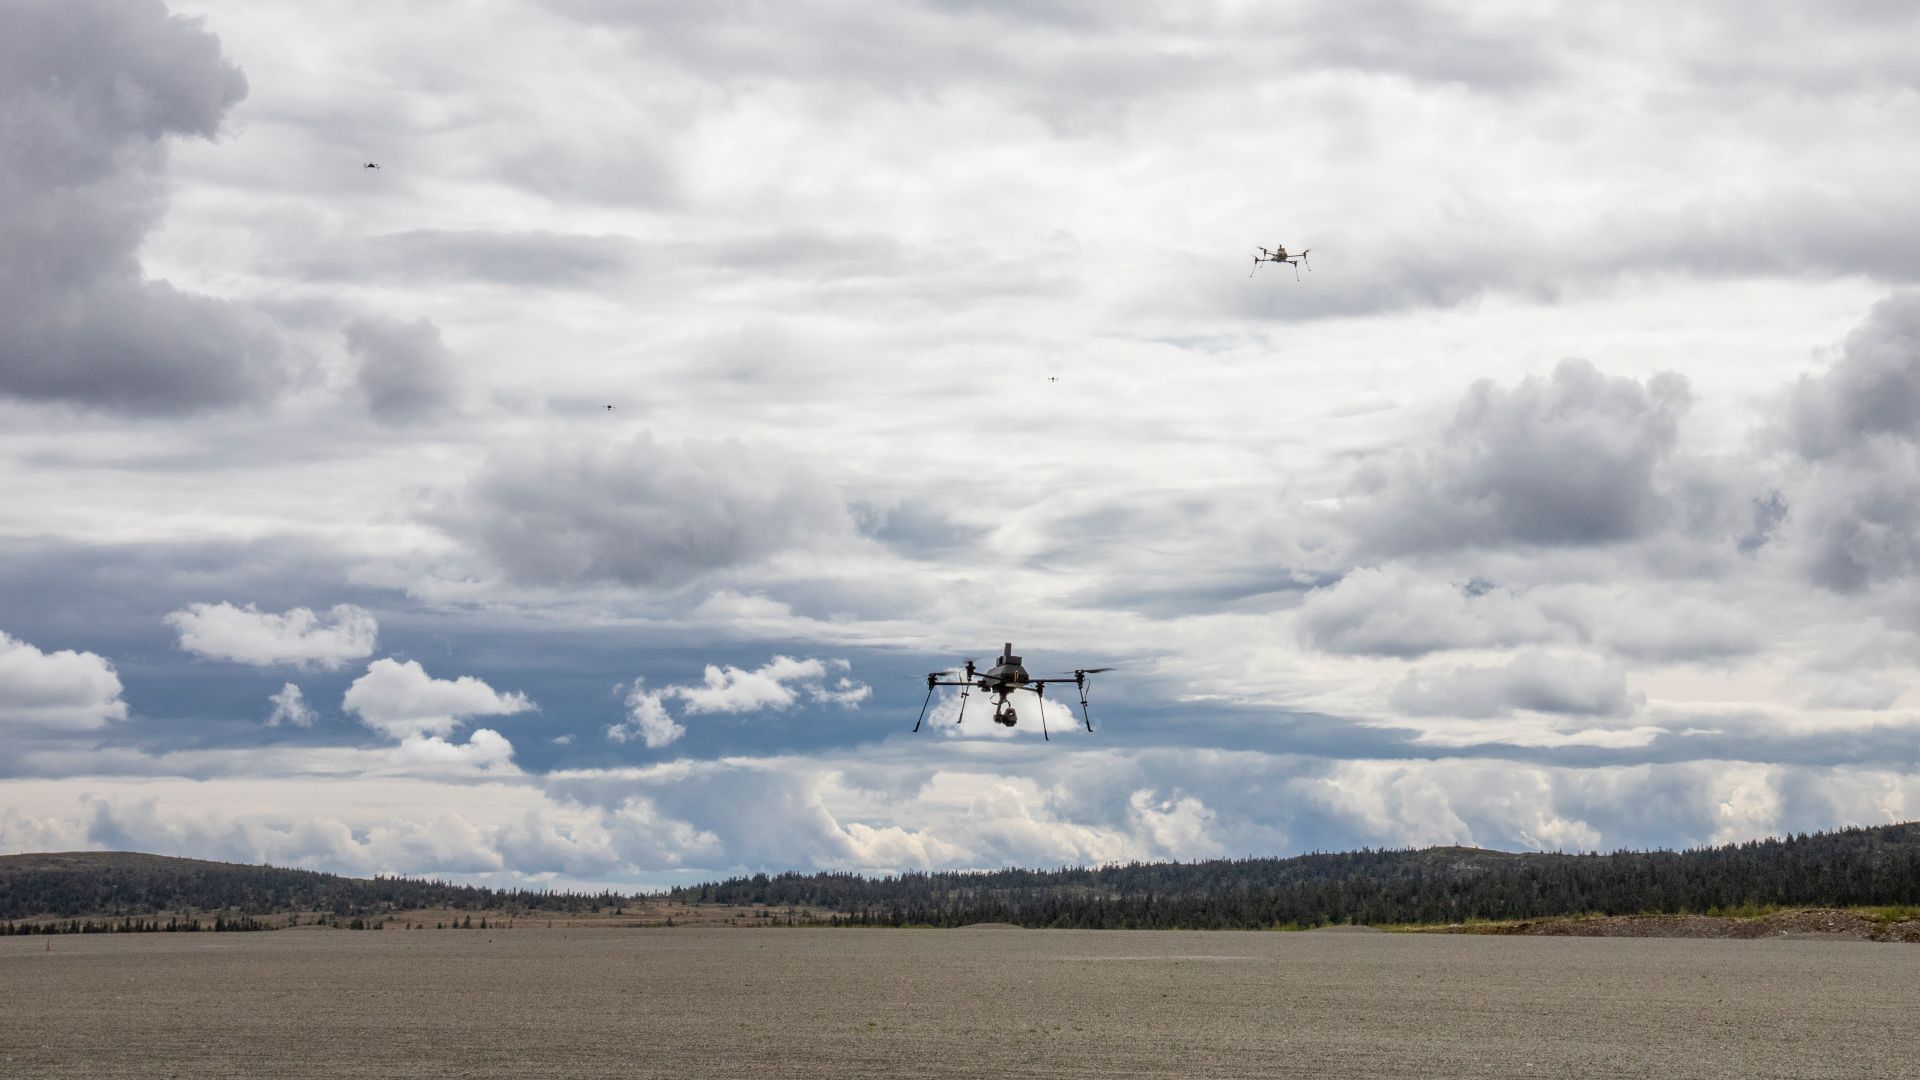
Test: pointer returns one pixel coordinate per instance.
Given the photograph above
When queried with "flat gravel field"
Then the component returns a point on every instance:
(976, 1002)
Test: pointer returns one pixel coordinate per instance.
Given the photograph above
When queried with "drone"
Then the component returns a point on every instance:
(1279, 255)
(1002, 679)
(371, 165)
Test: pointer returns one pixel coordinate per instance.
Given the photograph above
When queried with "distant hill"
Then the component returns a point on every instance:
(119, 883)
(1848, 868)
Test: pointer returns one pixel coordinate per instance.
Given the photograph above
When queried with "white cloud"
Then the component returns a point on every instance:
(486, 752)
(778, 684)
(248, 635)
(402, 700)
(647, 719)
(466, 811)
(64, 690)
(1536, 681)
(1392, 611)
(290, 707)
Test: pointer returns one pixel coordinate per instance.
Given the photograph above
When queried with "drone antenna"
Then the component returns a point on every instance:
(965, 689)
(1040, 699)
(1080, 680)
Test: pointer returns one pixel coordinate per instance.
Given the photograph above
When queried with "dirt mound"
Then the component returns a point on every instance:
(1808, 923)
(989, 926)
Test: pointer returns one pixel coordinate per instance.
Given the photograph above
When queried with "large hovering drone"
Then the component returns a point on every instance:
(1279, 255)
(1002, 679)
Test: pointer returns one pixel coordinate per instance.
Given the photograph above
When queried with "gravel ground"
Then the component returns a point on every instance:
(999, 1003)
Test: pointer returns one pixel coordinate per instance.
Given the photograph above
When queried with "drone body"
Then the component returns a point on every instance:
(1278, 254)
(1006, 676)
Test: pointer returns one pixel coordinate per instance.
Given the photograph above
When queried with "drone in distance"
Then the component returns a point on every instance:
(1279, 255)
(1005, 677)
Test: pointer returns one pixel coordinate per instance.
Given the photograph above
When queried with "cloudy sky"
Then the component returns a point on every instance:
(1571, 500)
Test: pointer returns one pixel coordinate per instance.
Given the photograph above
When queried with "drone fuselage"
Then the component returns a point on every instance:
(1002, 679)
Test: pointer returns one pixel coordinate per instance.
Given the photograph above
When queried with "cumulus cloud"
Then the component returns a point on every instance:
(248, 635)
(405, 371)
(486, 752)
(1872, 391)
(64, 690)
(647, 719)
(1860, 519)
(290, 707)
(778, 684)
(1856, 426)
(1535, 681)
(403, 701)
(1663, 628)
(641, 512)
(90, 92)
(1571, 459)
(1392, 611)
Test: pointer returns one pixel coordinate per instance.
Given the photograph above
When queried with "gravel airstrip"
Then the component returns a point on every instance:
(965, 1003)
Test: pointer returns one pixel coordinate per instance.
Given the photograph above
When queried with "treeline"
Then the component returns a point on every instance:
(124, 884)
(1850, 867)
(173, 925)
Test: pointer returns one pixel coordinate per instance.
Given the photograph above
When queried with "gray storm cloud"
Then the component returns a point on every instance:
(405, 371)
(90, 93)
(1536, 681)
(1871, 392)
(1856, 425)
(640, 511)
(1570, 459)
